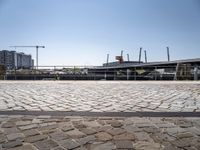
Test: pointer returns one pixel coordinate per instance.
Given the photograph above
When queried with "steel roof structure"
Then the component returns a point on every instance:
(195, 61)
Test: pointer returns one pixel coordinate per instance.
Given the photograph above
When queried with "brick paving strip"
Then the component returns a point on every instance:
(103, 114)
(43, 132)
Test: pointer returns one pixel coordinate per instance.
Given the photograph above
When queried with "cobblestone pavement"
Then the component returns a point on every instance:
(100, 96)
(45, 132)
(101, 133)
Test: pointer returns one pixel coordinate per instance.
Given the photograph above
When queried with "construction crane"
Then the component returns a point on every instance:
(37, 47)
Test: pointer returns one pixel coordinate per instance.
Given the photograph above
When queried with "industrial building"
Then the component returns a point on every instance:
(188, 69)
(14, 60)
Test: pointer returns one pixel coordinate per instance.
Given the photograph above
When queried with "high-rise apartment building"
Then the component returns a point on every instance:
(14, 60)
(7, 58)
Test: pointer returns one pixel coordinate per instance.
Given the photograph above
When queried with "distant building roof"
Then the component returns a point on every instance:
(149, 64)
(117, 63)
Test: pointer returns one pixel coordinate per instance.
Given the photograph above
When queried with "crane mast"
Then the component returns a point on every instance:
(37, 47)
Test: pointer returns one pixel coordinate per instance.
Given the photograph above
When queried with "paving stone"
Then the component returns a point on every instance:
(197, 146)
(124, 136)
(30, 132)
(144, 125)
(162, 137)
(142, 145)
(175, 130)
(69, 144)
(114, 123)
(91, 124)
(14, 118)
(2, 138)
(79, 124)
(12, 144)
(67, 128)
(58, 136)
(46, 132)
(27, 117)
(151, 130)
(75, 133)
(36, 121)
(129, 121)
(24, 147)
(132, 129)
(165, 143)
(171, 148)
(8, 125)
(46, 128)
(88, 131)
(142, 136)
(194, 130)
(101, 122)
(102, 129)
(103, 136)
(80, 148)
(44, 124)
(184, 135)
(14, 136)
(58, 148)
(182, 143)
(23, 123)
(11, 130)
(45, 144)
(186, 125)
(35, 138)
(116, 131)
(190, 148)
(104, 146)
(52, 120)
(86, 139)
(165, 125)
(27, 127)
(124, 145)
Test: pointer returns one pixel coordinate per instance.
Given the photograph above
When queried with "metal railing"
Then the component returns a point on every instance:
(101, 73)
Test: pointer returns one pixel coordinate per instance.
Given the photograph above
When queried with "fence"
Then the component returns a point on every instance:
(179, 72)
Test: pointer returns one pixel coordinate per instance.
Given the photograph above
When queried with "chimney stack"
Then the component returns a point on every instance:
(140, 54)
(107, 59)
(145, 54)
(168, 55)
(128, 57)
(122, 54)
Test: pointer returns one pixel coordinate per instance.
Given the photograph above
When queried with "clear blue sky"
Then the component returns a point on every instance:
(82, 32)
